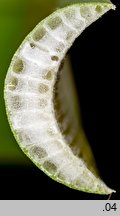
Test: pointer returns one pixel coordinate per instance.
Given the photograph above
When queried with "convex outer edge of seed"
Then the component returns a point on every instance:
(41, 101)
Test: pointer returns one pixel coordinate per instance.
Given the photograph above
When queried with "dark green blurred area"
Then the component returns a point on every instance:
(17, 19)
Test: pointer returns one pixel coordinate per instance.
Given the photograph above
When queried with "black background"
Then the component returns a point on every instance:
(95, 58)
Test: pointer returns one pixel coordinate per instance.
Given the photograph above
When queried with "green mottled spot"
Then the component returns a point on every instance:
(39, 152)
(18, 66)
(61, 176)
(48, 75)
(54, 58)
(98, 8)
(70, 14)
(54, 23)
(16, 102)
(39, 33)
(50, 167)
(43, 88)
(12, 83)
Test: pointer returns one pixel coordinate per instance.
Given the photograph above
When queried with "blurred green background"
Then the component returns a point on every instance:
(17, 19)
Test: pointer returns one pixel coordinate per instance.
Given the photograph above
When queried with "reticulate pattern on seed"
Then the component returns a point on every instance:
(31, 103)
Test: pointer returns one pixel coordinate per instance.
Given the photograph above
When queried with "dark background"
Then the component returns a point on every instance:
(95, 59)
